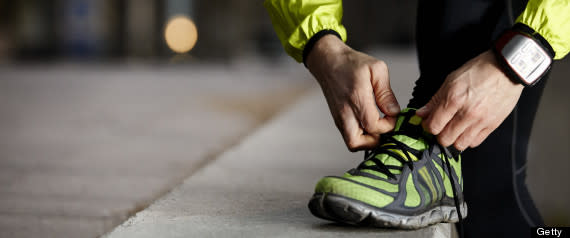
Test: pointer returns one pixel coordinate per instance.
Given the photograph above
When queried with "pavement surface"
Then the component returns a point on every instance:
(83, 147)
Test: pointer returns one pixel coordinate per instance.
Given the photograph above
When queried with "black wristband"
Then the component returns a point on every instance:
(316, 37)
(522, 28)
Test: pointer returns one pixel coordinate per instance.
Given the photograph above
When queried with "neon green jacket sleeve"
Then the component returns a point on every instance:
(551, 19)
(296, 21)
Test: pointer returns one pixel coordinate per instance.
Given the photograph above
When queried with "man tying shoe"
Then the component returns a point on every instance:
(483, 66)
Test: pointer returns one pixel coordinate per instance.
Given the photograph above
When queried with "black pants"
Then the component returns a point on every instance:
(449, 33)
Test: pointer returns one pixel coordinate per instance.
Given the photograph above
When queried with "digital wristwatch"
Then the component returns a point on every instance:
(524, 55)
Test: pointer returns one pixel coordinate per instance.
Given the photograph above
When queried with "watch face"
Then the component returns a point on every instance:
(526, 58)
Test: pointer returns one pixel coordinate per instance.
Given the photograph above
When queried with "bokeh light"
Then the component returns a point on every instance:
(180, 34)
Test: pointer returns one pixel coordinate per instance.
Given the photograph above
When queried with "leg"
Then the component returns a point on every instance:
(448, 34)
(495, 190)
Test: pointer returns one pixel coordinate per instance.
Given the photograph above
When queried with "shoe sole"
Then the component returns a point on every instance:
(349, 211)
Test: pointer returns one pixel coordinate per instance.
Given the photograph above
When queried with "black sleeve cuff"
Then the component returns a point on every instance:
(522, 28)
(316, 37)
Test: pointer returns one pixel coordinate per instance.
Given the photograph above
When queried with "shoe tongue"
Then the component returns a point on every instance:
(408, 122)
(410, 125)
(410, 130)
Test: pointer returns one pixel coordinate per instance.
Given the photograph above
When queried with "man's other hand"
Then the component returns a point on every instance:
(355, 85)
(472, 102)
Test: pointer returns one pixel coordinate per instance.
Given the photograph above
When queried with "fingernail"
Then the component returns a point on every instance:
(422, 110)
(394, 109)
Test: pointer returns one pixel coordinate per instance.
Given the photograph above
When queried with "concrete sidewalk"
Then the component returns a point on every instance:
(85, 146)
(260, 188)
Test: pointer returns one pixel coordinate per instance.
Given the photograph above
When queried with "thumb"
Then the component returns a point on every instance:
(385, 98)
(387, 102)
(425, 110)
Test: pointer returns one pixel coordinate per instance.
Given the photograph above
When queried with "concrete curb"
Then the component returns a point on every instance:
(260, 187)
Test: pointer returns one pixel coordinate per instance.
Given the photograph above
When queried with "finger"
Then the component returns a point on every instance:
(371, 121)
(468, 137)
(385, 98)
(456, 126)
(483, 134)
(354, 136)
(369, 116)
(441, 110)
(424, 111)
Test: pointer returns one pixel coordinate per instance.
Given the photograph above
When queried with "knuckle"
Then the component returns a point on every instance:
(475, 144)
(456, 95)
(472, 113)
(436, 99)
(480, 139)
(371, 128)
(444, 141)
(352, 145)
(368, 125)
(380, 66)
(493, 127)
(461, 144)
(384, 128)
(454, 83)
(433, 127)
(455, 99)
(479, 108)
(484, 135)
(453, 75)
(361, 71)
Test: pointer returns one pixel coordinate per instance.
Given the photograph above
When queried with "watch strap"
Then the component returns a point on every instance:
(520, 33)
(524, 29)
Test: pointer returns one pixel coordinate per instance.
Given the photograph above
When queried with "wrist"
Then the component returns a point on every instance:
(496, 66)
(322, 48)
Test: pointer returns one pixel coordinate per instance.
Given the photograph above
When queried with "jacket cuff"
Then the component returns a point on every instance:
(552, 21)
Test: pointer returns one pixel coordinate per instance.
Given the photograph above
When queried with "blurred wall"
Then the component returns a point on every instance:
(104, 29)
(372, 23)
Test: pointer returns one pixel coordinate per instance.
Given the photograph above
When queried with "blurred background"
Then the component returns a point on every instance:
(134, 29)
(103, 109)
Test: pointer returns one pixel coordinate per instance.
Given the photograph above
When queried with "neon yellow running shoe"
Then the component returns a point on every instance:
(409, 181)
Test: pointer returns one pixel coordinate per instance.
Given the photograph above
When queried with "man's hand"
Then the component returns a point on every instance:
(472, 102)
(355, 86)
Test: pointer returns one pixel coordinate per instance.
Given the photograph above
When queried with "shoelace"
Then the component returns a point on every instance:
(369, 155)
(379, 166)
(455, 198)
